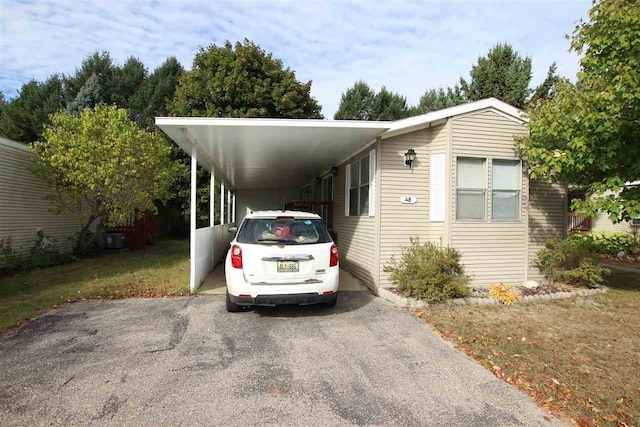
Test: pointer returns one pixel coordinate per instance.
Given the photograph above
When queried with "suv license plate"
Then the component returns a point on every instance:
(288, 267)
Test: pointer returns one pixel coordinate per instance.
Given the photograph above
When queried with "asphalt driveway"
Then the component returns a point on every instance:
(187, 361)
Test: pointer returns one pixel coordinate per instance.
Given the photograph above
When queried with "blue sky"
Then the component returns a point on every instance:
(406, 46)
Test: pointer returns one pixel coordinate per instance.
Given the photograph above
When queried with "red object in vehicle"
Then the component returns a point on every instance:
(281, 231)
(333, 260)
(236, 256)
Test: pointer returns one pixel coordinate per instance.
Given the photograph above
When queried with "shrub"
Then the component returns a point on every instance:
(570, 261)
(504, 293)
(431, 272)
(43, 253)
(606, 242)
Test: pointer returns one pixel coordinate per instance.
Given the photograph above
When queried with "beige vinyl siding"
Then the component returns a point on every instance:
(491, 251)
(23, 209)
(356, 234)
(547, 220)
(399, 222)
(439, 144)
(602, 223)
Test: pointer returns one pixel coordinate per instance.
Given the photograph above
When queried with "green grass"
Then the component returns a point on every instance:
(159, 270)
(576, 357)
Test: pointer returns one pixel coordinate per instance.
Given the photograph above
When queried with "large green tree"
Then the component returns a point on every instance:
(153, 97)
(544, 90)
(502, 74)
(360, 102)
(437, 99)
(101, 167)
(242, 80)
(588, 133)
(25, 115)
(356, 103)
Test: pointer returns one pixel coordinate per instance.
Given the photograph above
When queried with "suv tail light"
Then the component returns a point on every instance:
(236, 256)
(333, 258)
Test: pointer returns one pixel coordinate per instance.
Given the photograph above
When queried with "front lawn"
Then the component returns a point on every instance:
(159, 270)
(576, 357)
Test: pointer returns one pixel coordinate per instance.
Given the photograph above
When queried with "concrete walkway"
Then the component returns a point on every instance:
(215, 283)
(186, 361)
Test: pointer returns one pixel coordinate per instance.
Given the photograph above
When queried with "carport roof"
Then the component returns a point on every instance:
(270, 153)
(277, 153)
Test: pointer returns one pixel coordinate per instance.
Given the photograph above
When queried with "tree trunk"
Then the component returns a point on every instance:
(84, 238)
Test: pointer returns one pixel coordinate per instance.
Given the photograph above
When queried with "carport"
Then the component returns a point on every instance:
(260, 164)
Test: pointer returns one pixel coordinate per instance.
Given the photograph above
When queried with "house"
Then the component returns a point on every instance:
(453, 175)
(23, 207)
(601, 222)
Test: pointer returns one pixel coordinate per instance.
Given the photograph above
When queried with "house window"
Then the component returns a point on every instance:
(471, 189)
(505, 190)
(327, 188)
(359, 176)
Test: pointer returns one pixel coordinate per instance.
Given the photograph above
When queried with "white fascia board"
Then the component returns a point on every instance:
(293, 123)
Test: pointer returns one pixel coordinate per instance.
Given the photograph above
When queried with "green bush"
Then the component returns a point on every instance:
(43, 253)
(571, 261)
(606, 242)
(431, 272)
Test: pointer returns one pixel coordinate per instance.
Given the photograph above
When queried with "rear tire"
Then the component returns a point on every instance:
(233, 307)
(332, 302)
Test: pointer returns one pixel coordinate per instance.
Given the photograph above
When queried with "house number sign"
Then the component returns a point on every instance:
(408, 200)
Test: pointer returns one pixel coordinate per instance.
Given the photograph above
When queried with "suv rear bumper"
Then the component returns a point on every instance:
(282, 299)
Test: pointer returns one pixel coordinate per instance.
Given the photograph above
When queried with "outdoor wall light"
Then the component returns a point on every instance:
(334, 171)
(409, 157)
(318, 180)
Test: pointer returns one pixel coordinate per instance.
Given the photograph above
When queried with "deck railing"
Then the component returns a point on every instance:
(578, 222)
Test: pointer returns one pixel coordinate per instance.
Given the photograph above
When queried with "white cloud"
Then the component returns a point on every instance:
(407, 46)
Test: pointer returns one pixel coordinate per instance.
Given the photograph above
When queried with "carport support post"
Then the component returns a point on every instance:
(229, 206)
(212, 210)
(221, 202)
(192, 222)
(233, 208)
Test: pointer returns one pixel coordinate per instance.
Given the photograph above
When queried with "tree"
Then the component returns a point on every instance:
(126, 81)
(89, 95)
(502, 74)
(242, 80)
(544, 90)
(99, 64)
(356, 103)
(437, 99)
(587, 133)
(389, 106)
(102, 167)
(25, 115)
(155, 94)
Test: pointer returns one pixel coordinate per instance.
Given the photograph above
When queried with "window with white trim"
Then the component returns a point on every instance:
(505, 190)
(471, 189)
(360, 186)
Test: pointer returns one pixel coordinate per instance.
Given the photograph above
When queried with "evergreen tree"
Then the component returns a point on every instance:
(24, 116)
(502, 74)
(438, 99)
(356, 103)
(153, 98)
(89, 95)
(389, 106)
(544, 90)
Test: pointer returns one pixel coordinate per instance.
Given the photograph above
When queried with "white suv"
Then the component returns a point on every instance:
(281, 257)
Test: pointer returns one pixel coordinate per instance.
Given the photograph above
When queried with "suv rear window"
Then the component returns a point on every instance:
(283, 231)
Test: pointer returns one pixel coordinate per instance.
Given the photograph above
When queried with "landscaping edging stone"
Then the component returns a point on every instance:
(414, 303)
